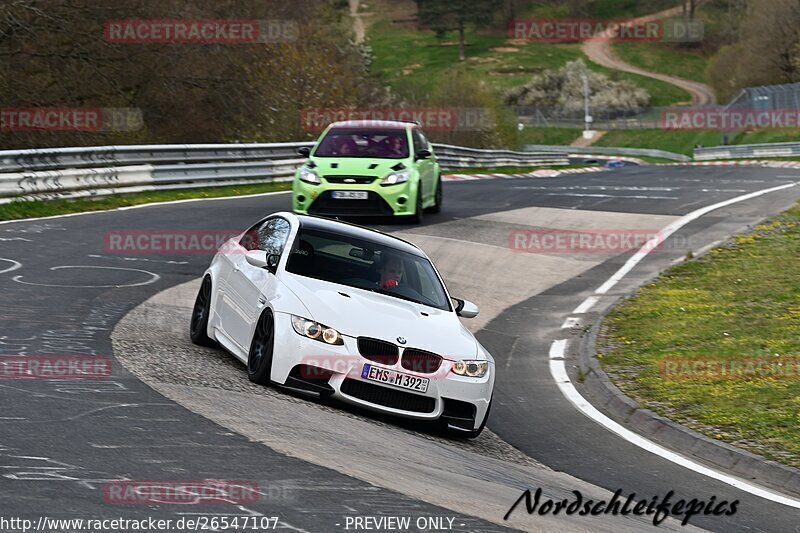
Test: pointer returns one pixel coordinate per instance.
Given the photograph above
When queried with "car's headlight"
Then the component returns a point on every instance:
(394, 178)
(315, 330)
(472, 369)
(309, 176)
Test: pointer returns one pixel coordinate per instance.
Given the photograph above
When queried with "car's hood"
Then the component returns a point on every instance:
(370, 314)
(355, 166)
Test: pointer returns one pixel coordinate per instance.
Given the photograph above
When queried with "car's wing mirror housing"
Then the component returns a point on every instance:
(424, 154)
(261, 259)
(257, 258)
(465, 308)
(305, 151)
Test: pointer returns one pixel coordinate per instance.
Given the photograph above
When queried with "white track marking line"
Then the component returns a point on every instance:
(153, 278)
(570, 322)
(558, 370)
(151, 204)
(587, 304)
(557, 349)
(14, 266)
(672, 228)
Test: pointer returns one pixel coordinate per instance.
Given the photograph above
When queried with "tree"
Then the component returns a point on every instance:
(454, 15)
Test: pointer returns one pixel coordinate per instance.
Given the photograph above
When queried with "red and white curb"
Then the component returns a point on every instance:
(739, 163)
(543, 173)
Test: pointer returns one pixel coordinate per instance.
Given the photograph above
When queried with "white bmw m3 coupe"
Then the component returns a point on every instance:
(339, 310)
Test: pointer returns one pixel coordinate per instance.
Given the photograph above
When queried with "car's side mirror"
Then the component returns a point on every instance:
(465, 308)
(424, 154)
(261, 259)
(305, 151)
(257, 258)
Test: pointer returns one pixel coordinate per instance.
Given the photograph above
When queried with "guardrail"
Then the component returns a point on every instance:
(104, 170)
(744, 151)
(606, 150)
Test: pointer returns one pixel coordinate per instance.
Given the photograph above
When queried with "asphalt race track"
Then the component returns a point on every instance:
(64, 293)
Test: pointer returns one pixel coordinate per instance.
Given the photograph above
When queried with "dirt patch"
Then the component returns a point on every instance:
(483, 59)
(504, 49)
(408, 69)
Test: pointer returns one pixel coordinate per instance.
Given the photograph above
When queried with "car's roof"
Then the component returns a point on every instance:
(360, 232)
(373, 124)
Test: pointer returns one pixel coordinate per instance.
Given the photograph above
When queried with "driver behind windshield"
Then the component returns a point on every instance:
(391, 271)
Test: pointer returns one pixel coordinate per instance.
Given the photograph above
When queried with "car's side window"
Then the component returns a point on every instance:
(425, 143)
(268, 235)
(419, 141)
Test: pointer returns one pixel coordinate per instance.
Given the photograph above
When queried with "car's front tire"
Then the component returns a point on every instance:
(419, 213)
(259, 360)
(198, 327)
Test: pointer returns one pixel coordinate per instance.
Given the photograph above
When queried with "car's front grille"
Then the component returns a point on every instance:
(373, 205)
(359, 180)
(420, 361)
(395, 399)
(378, 351)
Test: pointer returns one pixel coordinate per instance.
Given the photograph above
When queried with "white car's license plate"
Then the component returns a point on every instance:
(398, 379)
(350, 195)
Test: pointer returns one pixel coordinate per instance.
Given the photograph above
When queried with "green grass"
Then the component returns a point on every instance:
(664, 58)
(679, 142)
(740, 301)
(767, 136)
(684, 141)
(603, 8)
(558, 136)
(401, 48)
(43, 208)
(412, 62)
(661, 94)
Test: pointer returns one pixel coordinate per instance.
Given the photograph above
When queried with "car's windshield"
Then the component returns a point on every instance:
(367, 265)
(350, 142)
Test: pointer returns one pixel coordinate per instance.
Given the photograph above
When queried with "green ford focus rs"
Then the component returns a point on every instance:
(369, 168)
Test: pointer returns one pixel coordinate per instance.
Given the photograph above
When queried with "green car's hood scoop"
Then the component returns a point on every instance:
(357, 166)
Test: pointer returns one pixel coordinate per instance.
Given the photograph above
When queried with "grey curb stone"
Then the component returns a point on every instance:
(624, 410)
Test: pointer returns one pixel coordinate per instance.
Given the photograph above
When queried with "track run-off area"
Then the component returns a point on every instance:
(174, 411)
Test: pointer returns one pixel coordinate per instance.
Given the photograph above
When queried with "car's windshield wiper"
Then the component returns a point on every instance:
(395, 295)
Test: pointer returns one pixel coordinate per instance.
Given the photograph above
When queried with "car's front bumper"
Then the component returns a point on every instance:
(391, 200)
(336, 371)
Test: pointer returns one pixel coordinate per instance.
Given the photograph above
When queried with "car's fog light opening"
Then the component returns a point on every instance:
(301, 199)
(309, 378)
(402, 200)
(459, 414)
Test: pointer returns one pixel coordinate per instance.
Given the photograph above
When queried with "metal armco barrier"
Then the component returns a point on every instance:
(744, 151)
(104, 170)
(606, 150)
